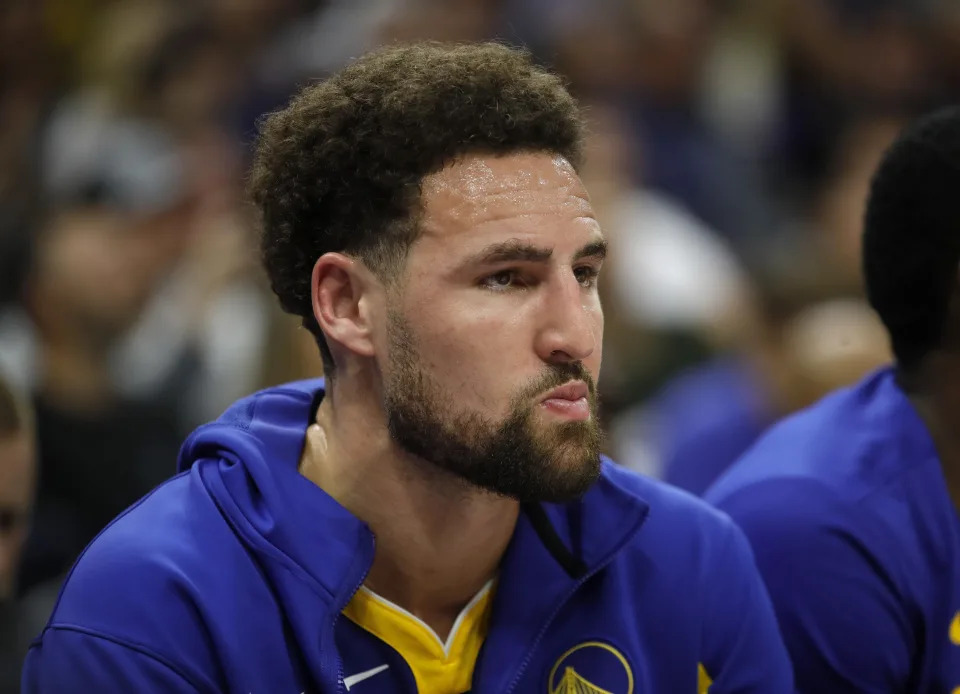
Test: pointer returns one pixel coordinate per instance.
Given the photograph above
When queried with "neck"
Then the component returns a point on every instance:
(438, 540)
(75, 378)
(934, 391)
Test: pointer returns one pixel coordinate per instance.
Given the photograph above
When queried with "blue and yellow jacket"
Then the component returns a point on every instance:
(234, 577)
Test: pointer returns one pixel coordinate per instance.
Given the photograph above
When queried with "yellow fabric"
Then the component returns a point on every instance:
(437, 668)
(703, 680)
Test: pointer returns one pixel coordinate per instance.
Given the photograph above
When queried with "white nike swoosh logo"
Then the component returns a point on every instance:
(361, 676)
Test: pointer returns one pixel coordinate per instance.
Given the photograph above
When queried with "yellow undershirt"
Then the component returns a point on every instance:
(703, 680)
(438, 667)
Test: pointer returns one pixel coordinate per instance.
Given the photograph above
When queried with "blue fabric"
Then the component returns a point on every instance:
(848, 513)
(231, 578)
(706, 419)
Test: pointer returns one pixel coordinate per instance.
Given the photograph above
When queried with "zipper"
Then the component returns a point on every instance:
(546, 625)
(566, 598)
(371, 547)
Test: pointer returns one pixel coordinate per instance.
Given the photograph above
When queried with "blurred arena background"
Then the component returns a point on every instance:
(732, 144)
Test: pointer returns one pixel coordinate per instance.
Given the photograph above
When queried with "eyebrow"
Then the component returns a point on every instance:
(597, 249)
(515, 250)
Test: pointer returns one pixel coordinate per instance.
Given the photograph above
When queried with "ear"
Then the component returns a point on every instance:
(341, 290)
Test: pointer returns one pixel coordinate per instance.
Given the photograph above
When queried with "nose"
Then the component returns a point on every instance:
(569, 330)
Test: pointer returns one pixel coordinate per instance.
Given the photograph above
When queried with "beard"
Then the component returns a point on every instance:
(518, 457)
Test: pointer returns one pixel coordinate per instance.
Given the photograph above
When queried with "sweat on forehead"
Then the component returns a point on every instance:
(478, 188)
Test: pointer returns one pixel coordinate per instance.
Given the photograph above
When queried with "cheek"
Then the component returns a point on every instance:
(468, 324)
(597, 314)
(475, 355)
(596, 358)
(474, 347)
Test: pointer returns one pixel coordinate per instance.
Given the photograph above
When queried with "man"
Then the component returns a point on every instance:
(851, 505)
(17, 482)
(86, 426)
(435, 517)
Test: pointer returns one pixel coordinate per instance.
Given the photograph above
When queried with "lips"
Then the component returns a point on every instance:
(569, 391)
(570, 402)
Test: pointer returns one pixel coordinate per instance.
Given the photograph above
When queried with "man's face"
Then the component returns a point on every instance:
(16, 499)
(83, 253)
(494, 334)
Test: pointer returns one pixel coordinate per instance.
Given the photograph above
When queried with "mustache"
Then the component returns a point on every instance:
(556, 375)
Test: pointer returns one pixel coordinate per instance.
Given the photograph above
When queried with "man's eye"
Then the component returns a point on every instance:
(501, 280)
(586, 276)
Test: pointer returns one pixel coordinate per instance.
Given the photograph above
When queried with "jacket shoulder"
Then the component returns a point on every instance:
(669, 505)
(145, 579)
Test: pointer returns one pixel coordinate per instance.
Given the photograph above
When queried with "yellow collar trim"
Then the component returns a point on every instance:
(409, 634)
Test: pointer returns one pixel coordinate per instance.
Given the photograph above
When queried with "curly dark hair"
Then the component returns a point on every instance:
(911, 238)
(340, 168)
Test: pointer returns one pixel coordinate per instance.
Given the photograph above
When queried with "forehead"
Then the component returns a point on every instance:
(526, 192)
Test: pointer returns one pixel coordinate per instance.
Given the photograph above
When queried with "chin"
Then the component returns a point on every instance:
(574, 477)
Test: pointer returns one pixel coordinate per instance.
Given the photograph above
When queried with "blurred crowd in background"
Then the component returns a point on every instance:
(731, 149)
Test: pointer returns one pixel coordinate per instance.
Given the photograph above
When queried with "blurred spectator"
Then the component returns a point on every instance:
(28, 86)
(847, 58)
(442, 20)
(315, 40)
(651, 58)
(837, 208)
(947, 44)
(154, 214)
(17, 482)
(671, 289)
(98, 451)
(164, 130)
(810, 333)
(803, 345)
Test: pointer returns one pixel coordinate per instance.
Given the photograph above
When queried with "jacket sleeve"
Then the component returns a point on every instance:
(842, 617)
(742, 650)
(68, 661)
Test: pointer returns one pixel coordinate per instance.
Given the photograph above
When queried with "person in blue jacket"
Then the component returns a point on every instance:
(435, 516)
(851, 505)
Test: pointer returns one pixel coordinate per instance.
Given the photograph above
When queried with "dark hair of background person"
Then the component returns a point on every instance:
(911, 239)
(340, 168)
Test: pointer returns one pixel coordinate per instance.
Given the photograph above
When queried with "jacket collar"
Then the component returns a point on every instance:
(535, 583)
(250, 460)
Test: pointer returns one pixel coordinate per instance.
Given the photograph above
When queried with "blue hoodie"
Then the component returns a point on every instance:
(854, 530)
(231, 577)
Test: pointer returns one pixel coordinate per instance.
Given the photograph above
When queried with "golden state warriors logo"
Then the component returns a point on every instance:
(592, 667)
(954, 635)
